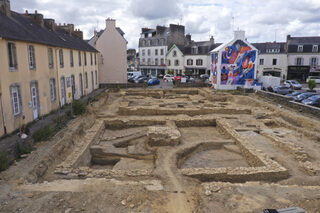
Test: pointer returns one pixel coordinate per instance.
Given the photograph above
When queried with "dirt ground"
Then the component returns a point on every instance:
(175, 151)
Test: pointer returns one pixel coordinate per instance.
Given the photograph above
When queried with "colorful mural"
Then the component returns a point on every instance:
(214, 67)
(238, 64)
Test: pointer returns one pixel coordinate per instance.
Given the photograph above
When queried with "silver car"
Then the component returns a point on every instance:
(282, 90)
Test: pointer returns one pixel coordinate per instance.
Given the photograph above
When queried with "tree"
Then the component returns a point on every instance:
(312, 84)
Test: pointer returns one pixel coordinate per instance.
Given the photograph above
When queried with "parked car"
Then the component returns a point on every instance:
(204, 76)
(282, 90)
(304, 96)
(294, 94)
(316, 78)
(177, 78)
(312, 101)
(153, 81)
(168, 78)
(140, 79)
(294, 84)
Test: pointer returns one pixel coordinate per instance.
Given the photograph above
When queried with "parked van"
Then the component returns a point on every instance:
(133, 74)
(315, 78)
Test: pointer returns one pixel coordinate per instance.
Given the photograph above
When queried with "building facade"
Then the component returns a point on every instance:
(43, 67)
(175, 60)
(272, 59)
(234, 64)
(303, 57)
(113, 53)
(154, 45)
(197, 56)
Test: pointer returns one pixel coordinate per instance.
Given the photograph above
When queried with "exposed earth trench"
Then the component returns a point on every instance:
(171, 151)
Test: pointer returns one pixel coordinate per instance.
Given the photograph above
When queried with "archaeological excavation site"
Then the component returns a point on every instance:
(172, 151)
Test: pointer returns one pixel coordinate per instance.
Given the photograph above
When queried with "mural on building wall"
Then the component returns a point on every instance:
(238, 64)
(214, 67)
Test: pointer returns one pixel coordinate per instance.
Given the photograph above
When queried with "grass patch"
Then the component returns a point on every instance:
(4, 161)
(43, 134)
(78, 107)
(23, 148)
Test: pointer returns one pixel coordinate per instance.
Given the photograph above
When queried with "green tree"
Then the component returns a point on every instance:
(312, 84)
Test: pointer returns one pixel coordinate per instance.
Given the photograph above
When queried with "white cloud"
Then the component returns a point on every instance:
(202, 18)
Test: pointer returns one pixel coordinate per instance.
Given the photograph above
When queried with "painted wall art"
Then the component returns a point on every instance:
(238, 64)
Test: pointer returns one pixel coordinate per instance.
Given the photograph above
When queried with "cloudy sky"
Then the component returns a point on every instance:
(263, 20)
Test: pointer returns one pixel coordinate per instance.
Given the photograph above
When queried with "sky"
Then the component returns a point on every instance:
(263, 20)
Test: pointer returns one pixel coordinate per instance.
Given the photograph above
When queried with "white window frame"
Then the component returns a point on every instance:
(176, 63)
(31, 57)
(190, 62)
(53, 89)
(300, 48)
(71, 59)
(315, 48)
(198, 62)
(16, 102)
(315, 60)
(50, 58)
(61, 59)
(301, 61)
(261, 61)
(13, 56)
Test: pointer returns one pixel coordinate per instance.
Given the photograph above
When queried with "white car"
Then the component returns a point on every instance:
(316, 78)
(168, 78)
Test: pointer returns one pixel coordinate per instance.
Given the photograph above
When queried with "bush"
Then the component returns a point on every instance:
(312, 84)
(23, 148)
(4, 162)
(43, 134)
(78, 107)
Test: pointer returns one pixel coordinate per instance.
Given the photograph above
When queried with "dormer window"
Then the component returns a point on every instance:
(174, 53)
(300, 48)
(194, 50)
(315, 48)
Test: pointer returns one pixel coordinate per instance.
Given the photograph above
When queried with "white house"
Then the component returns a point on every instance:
(113, 54)
(175, 60)
(234, 64)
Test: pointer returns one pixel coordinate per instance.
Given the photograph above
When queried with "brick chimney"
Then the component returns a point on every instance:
(110, 23)
(36, 17)
(69, 28)
(5, 7)
(78, 33)
(50, 23)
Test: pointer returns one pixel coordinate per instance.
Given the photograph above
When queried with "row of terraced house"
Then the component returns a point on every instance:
(43, 66)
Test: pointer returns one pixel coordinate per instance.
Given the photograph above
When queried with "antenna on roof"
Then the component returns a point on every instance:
(275, 35)
(233, 23)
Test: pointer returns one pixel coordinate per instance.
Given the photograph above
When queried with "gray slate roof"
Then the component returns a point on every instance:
(262, 47)
(204, 47)
(19, 27)
(307, 42)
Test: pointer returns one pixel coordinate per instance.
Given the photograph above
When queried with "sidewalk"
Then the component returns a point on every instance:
(9, 143)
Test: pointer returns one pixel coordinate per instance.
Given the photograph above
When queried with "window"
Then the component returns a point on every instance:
(61, 58)
(189, 62)
(314, 62)
(169, 63)
(144, 43)
(199, 62)
(174, 54)
(16, 100)
(143, 52)
(31, 56)
(149, 43)
(53, 89)
(161, 52)
(149, 61)
(274, 61)
(299, 61)
(96, 76)
(156, 61)
(315, 48)
(149, 52)
(12, 55)
(95, 59)
(300, 48)
(91, 61)
(261, 61)
(50, 58)
(162, 41)
(85, 58)
(176, 62)
(156, 52)
(71, 58)
(79, 58)
(86, 79)
(143, 61)
(161, 61)
(194, 50)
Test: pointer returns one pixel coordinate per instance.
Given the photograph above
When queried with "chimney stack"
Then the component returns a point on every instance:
(36, 17)
(5, 7)
(50, 23)
(212, 39)
(110, 23)
(78, 33)
(188, 37)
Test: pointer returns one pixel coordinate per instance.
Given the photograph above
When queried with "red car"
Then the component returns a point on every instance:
(177, 78)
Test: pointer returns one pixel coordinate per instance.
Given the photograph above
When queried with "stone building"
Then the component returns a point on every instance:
(197, 56)
(303, 57)
(43, 67)
(272, 59)
(154, 45)
(112, 46)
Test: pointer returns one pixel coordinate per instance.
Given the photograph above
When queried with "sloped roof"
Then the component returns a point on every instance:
(204, 47)
(20, 27)
(304, 40)
(263, 47)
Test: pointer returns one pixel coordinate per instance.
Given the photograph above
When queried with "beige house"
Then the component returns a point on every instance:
(113, 54)
(43, 66)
